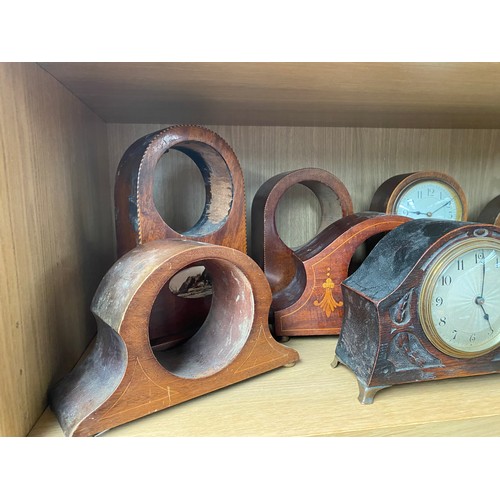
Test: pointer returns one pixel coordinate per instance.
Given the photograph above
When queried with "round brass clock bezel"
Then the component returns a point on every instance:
(491, 212)
(418, 177)
(428, 284)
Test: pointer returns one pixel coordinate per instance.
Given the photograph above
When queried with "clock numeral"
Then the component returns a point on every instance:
(472, 338)
(455, 333)
(420, 194)
(460, 264)
(442, 321)
(445, 280)
(430, 192)
(438, 301)
(479, 257)
(497, 264)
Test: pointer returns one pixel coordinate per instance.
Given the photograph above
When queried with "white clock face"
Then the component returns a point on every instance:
(429, 200)
(464, 299)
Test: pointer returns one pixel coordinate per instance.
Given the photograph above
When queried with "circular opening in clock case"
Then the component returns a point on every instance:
(225, 330)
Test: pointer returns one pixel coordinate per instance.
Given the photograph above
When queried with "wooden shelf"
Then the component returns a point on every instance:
(313, 399)
(416, 95)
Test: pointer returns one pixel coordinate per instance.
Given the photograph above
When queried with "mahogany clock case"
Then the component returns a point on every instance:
(312, 303)
(122, 378)
(382, 339)
(388, 193)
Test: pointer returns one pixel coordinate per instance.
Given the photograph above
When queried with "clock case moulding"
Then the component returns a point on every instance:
(382, 340)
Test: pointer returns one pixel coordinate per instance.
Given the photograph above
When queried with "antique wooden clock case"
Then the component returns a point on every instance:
(425, 194)
(386, 333)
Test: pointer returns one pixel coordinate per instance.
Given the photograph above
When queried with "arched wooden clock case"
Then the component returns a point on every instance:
(383, 339)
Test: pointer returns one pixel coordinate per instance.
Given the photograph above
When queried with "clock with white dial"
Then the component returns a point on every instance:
(421, 195)
(424, 305)
(459, 304)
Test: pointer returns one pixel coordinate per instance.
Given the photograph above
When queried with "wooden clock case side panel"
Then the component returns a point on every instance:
(380, 199)
(277, 260)
(91, 382)
(357, 346)
(490, 214)
(126, 196)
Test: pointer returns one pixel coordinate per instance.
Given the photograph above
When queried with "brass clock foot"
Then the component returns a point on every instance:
(290, 365)
(335, 362)
(283, 339)
(366, 394)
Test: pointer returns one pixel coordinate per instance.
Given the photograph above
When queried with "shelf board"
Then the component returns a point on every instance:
(313, 399)
(408, 95)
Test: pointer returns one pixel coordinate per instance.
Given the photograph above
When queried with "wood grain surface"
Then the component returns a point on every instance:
(313, 399)
(362, 94)
(56, 236)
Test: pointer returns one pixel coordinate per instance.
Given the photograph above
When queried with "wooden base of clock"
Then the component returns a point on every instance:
(312, 304)
(382, 340)
(278, 261)
(122, 379)
(221, 223)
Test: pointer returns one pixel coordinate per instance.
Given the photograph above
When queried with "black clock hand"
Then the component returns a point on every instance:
(480, 299)
(442, 206)
(411, 211)
(486, 317)
(484, 271)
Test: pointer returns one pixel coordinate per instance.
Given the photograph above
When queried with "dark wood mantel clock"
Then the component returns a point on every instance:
(424, 305)
(421, 195)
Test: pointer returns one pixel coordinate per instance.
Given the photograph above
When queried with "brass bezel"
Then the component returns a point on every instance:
(428, 285)
(438, 177)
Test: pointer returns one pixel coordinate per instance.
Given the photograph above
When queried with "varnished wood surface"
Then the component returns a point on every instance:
(362, 158)
(56, 234)
(373, 94)
(313, 399)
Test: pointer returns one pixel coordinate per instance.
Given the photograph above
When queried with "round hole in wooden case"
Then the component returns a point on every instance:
(137, 218)
(122, 378)
(179, 191)
(297, 216)
(221, 336)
